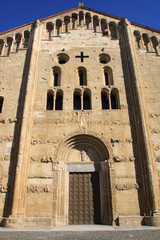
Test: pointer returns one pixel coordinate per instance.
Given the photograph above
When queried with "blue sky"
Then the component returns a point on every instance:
(16, 13)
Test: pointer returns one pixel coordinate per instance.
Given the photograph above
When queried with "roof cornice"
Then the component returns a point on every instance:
(82, 8)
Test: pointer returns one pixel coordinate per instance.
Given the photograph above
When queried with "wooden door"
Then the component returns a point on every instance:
(84, 198)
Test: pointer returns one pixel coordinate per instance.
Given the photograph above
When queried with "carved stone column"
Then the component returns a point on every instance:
(145, 158)
(60, 196)
(25, 127)
(108, 192)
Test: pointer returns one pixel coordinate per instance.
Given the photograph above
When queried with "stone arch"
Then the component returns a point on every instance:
(104, 27)
(1, 46)
(113, 30)
(18, 39)
(146, 40)
(59, 100)
(74, 20)
(56, 76)
(66, 23)
(105, 98)
(87, 100)
(50, 100)
(155, 43)
(82, 74)
(88, 20)
(115, 103)
(138, 39)
(95, 23)
(108, 76)
(84, 142)
(77, 95)
(26, 38)
(81, 18)
(59, 26)
(60, 153)
(49, 28)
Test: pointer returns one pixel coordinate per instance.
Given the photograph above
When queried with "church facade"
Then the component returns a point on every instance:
(80, 121)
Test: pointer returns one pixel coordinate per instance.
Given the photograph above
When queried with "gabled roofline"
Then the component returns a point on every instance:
(85, 8)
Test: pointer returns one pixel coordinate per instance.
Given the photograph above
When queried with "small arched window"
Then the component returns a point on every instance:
(105, 99)
(86, 100)
(95, 23)
(146, 41)
(58, 26)
(26, 38)
(18, 40)
(74, 20)
(50, 101)
(56, 76)
(104, 27)
(49, 27)
(155, 43)
(1, 103)
(115, 99)
(59, 100)
(88, 20)
(108, 75)
(138, 38)
(66, 22)
(113, 30)
(82, 76)
(77, 100)
(81, 18)
(9, 43)
(1, 46)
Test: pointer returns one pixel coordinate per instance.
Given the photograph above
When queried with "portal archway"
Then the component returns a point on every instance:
(84, 184)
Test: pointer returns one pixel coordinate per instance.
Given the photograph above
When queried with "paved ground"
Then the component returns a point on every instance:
(79, 232)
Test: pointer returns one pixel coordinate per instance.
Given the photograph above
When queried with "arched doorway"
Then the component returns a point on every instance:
(84, 182)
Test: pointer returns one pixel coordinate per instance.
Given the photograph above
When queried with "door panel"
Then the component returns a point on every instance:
(84, 198)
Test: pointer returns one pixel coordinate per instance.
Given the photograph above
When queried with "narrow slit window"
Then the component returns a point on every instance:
(86, 101)
(49, 101)
(77, 101)
(1, 104)
(82, 76)
(114, 99)
(56, 79)
(106, 78)
(59, 102)
(105, 101)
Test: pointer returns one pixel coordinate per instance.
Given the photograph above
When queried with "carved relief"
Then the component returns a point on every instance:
(5, 158)
(38, 189)
(59, 166)
(55, 121)
(46, 159)
(8, 120)
(127, 186)
(131, 159)
(153, 115)
(127, 140)
(55, 187)
(35, 141)
(1, 172)
(43, 159)
(156, 148)
(3, 189)
(157, 131)
(6, 139)
(119, 159)
(81, 119)
(158, 159)
(123, 159)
